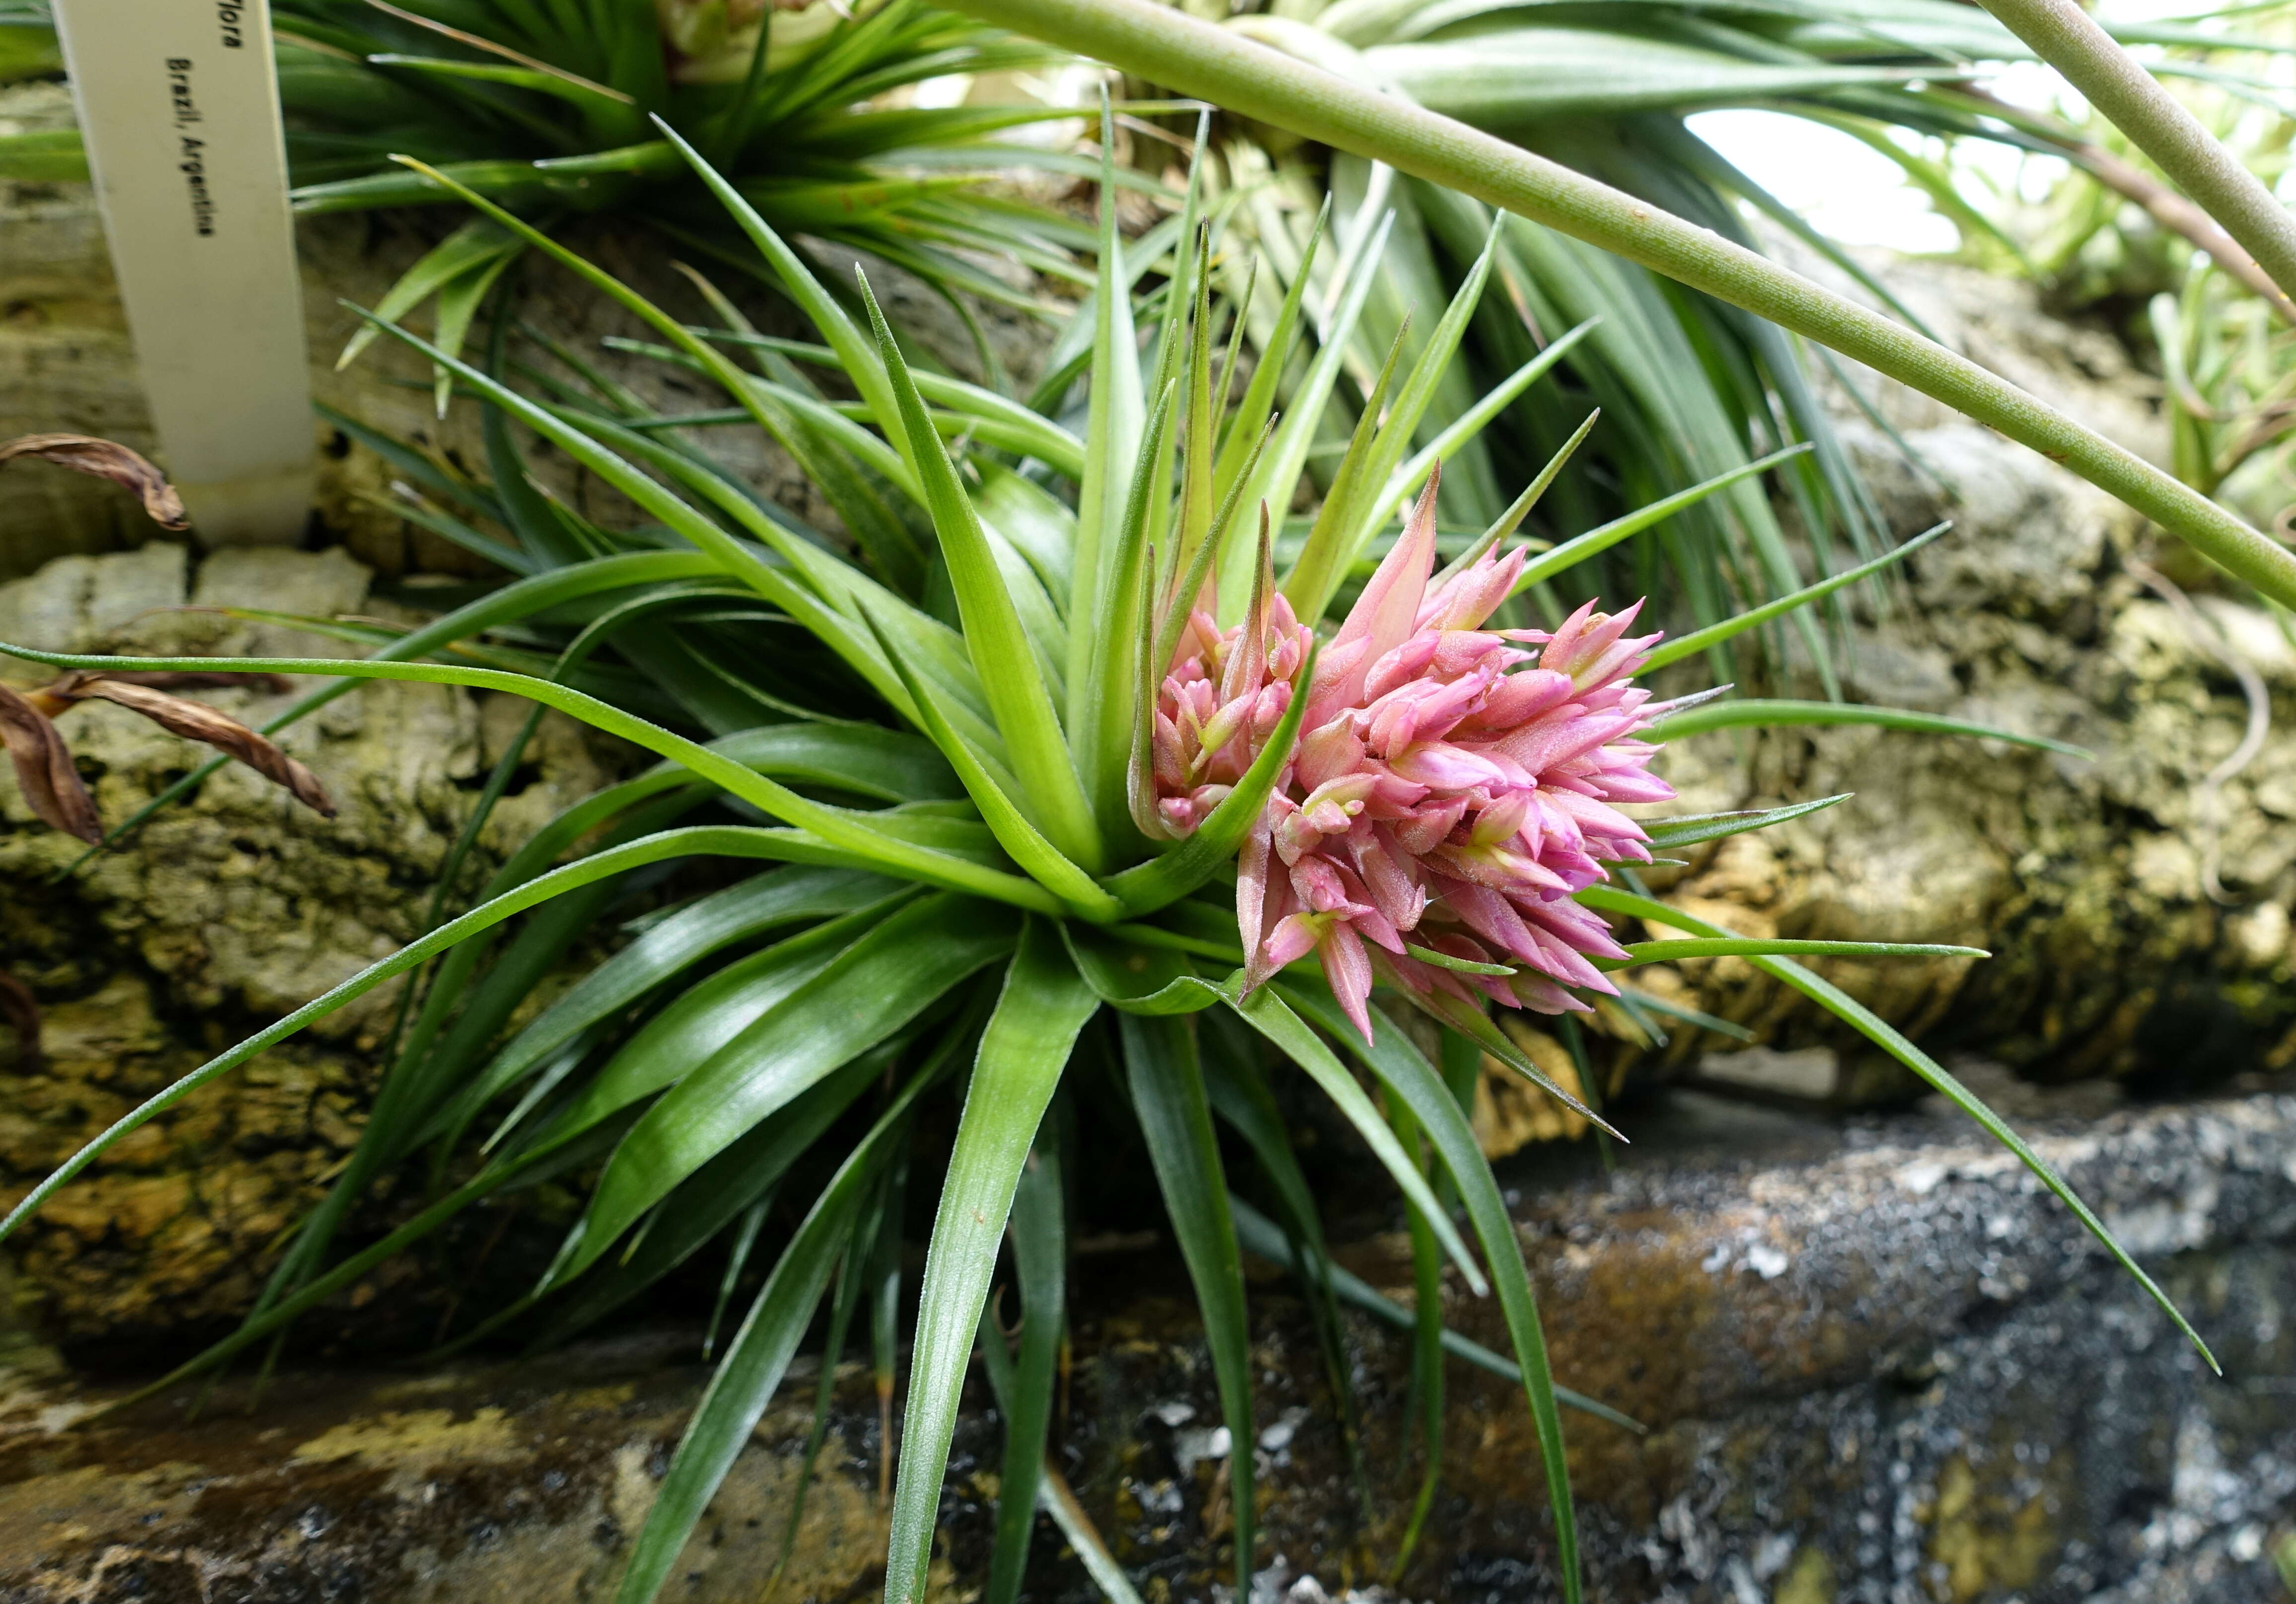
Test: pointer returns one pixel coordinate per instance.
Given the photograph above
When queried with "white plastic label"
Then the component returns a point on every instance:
(178, 104)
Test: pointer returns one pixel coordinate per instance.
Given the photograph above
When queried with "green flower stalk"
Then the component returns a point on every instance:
(1001, 823)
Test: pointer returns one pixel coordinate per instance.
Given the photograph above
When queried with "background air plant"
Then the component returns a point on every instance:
(1005, 822)
(1691, 385)
(2103, 237)
(543, 106)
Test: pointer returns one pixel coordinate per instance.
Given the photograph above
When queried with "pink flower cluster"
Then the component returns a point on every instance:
(1450, 790)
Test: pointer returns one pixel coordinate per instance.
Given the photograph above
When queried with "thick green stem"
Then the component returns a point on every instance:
(1197, 58)
(2115, 82)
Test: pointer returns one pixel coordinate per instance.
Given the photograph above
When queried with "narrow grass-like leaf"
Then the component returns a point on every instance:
(759, 1357)
(1471, 1021)
(818, 589)
(1043, 860)
(1091, 1548)
(407, 503)
(1413, 1081)
(1040, 1262)
(1205, 411)
(1715, 946)
(1402, 423)
(1650, 1003)
(1102, 721)
(1510, 521)
(843, 1302)
(1259, 403)
(1763, 714)
(1838, 1003)
(1024, 1049)
(752, 397)
(520, 599)
(885, 1301)
(1714, 634)
(1114, 421)
(1268, 1013)
(1049, 441)
(1577, 549)
(1168, 1095)
(1426, 1399)
(1136, 977)
(1467, 425)
(1017, 694)
(706, 1019)
(1330, 544)
(836, 827)
(869, 991)
(852, 347)
(1261, 1236)
(689, 936)
(833, 581)
(716, 1197)
(1276, 479)
(1689, 831)
(468, 249)
(1180, 596)
(729, 841)
(1239, 1094)
(526, 1169)
(737, 1259)
(1463, 966)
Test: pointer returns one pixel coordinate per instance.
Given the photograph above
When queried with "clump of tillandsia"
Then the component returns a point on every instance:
(995, 866)
(546, 110)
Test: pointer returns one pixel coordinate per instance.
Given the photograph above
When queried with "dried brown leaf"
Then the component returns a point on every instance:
(21, 1010)
(104, 459)
(45, 771)
(196, 721)
(68, 686)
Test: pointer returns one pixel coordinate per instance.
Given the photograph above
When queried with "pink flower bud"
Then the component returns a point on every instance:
(1451, 782)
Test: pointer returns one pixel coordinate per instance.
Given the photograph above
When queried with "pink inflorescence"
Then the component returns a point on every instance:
(1451, 789)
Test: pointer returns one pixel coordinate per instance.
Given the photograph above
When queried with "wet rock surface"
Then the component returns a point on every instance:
(1879, 1365)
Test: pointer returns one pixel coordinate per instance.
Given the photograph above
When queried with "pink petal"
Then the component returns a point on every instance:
(1596, 818)
(1348, 967)
(1447, 768)
(1521, 697)
(1384, 615)
(1389, 885)
(1337, 680)
(1470, 597)
(1296, 936)
(1426, 828)
(1542, 995)
(1327, 752)
(1406, 663)
(1252, 882)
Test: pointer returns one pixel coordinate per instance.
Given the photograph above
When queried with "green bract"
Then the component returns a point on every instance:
(933, 725)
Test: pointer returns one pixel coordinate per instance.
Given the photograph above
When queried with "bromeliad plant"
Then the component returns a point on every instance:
(1009, 750)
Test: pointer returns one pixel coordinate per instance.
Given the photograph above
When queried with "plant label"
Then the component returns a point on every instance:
(178, 104)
